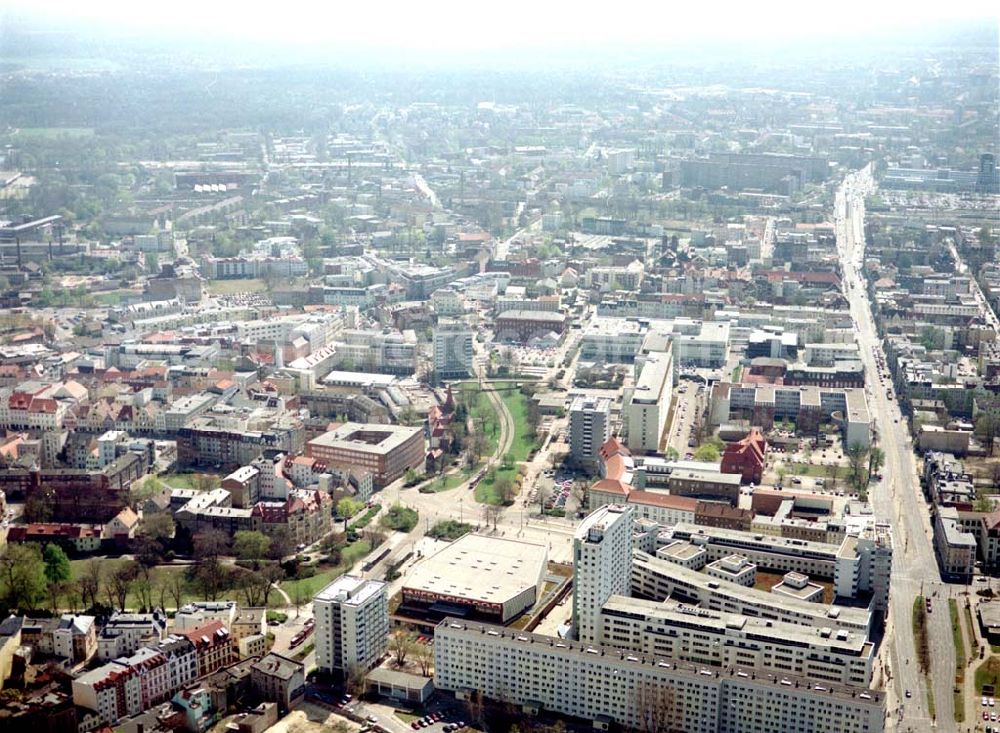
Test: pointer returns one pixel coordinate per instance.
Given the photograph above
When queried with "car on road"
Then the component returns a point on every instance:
(909, 694)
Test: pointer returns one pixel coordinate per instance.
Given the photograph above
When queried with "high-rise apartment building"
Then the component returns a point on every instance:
(352, 625)
(647, 407)
(602, 558)
(453, 353)
(589, 429)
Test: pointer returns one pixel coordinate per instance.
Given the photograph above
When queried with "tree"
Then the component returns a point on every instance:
(37, 507)
(424, 656)
(205, 482)
(120, 583)
(543, 493)
(707, 452)
(505, 489)
(656, 707)
(89, 583)
(22, 571)
(876, 459)
(256, 584)
(158, 526)
(492, 514)
(673, 454)
(400, 645)
(988, 427)
(984, 504)
(210, 544)
(857, 456)
(57, 569)
(374, 536)
(251, 545)
(174, 585)
(348, 507)
(212, 578)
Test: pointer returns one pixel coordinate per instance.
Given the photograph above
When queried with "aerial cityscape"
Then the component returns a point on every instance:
(512, 389)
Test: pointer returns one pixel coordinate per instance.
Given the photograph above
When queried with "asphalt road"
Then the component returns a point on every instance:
(897, 498)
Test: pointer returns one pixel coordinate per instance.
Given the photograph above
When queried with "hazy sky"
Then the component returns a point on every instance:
(463, 25)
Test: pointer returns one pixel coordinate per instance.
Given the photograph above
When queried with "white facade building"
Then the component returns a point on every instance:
(352, 625)
(602, 554)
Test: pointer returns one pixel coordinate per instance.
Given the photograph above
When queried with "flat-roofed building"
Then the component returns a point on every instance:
(385, 451)
(490, 578)
(602, 554)
(608, 686)
(733, 568)
(721, 639)
(684, 554)
(352, 625)
(657, 579)
(797, 585)
(648, 404)
(589, 429)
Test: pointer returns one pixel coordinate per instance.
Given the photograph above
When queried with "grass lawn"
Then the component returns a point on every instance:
(405, 716)
(801, 469)
(112, 297)
(228, 287)
(960, 661)
(308, 587)
(452, 480)
(133, 601)
(520, 447)
(181, 480)
(988, 673)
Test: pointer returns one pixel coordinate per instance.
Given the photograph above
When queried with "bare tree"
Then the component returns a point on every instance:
(492, 513)
(90, 582)
(424, 656)
(543, 493)
(400, 645)
(120, 582)
(175, 587)
(656, 708)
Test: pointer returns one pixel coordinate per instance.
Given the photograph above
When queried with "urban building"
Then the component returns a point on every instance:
(385, 451)
(616, 687)
(602, 554)
(491, 578)
(589, 429)
(647, 406)
(352, 625)
(453, 351)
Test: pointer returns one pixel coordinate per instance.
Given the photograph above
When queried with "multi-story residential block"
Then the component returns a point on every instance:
(453, 353)
(182, 659)
(78, 495)
(154, 675)
(614, 686)
(198, 613)
(214, 646)
(809, 407)
(602, 554)
(647, 406)
(126, 632)
(352, 625)
(75, 638)
(589, 429)
(658, 579)
(724, 639)
(279, 680)
(956, 548)
(112, 691)
(524, 325)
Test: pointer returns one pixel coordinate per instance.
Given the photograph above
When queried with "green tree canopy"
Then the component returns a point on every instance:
(57, 568)
(22, 576)
(250, 545)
